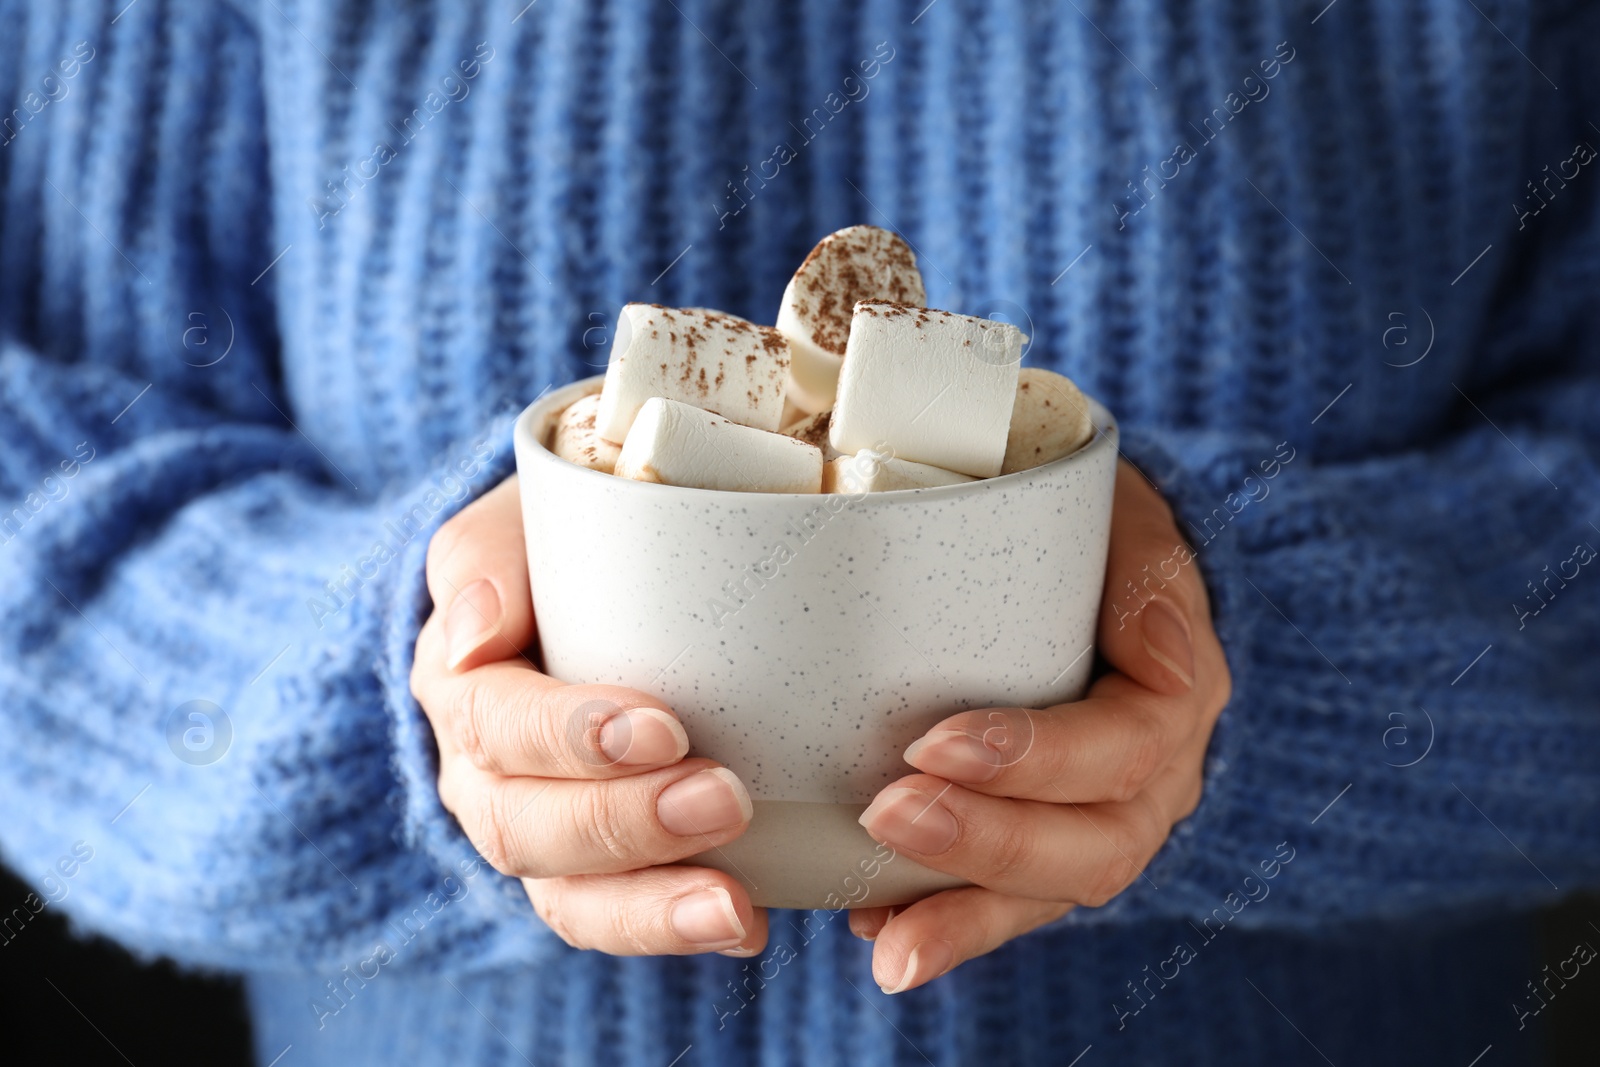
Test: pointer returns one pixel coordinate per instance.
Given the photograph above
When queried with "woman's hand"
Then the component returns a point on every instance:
(582, 791)
(1045, 810)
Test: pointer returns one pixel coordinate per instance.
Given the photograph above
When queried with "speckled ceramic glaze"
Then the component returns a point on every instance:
(806, 640)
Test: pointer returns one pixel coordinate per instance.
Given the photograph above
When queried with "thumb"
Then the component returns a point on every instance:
(478, 577)
(1154, 600)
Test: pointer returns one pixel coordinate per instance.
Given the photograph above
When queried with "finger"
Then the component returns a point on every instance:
(1082, 854)
(478, 578)
(509, 719)
(866, 923)
(939, 933)
(1177, 787)
(1103, 748)
(546, 827)
(1154, 605)
(659, 911)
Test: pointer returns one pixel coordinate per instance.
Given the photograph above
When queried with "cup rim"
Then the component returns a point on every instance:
(530, 445)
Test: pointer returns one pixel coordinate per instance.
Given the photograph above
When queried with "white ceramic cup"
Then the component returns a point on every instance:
(806, 640)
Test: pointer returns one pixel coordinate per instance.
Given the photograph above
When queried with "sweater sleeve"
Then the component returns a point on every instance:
(206, 755)
(1413, 726)
(1411, 636)
(200, 759)
(1413, 719)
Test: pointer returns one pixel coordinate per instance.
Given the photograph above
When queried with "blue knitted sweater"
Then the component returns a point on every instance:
(272, 276)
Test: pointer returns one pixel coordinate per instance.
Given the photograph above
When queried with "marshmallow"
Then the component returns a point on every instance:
(679, 444)
(853, 264)
(813, 430)
(576, 441)
(875, 472)
(717, 362)
(935, 387)
(1050, 420)
(791, 414)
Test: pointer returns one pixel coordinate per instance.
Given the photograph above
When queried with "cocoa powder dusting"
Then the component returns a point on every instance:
(843, 270)
(814, 431)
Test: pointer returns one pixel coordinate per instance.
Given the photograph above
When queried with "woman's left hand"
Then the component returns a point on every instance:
(1046, 810)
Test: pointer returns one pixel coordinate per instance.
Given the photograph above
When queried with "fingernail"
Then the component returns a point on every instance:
(1166, 637)
(641, 736)
(909, 819)
(470, 620)
(955, 755)
(869, 929)
(704, 803)
(707, 918)
(928, 960)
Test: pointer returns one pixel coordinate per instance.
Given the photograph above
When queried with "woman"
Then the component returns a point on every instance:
(277, 275)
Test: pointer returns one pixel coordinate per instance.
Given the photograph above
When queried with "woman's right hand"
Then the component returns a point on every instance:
(582, 791)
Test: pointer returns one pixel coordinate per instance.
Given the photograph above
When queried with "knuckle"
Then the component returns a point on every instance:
(1222, 688)
(475, 708)
(1146, 750)
(557, 735)
(1115, 875)
(419, 678)
(1188, 793)
(451, 789)
(1190, 800)
(1011, 851)
(414, 683)
(594, 819)
(634, 933)
(550, 909)
(1132, 843)
(491, 833)
(1110, 880)
(1121, 867)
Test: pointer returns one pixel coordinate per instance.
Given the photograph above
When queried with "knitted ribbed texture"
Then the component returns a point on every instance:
(1368, 997)
(406, 223)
